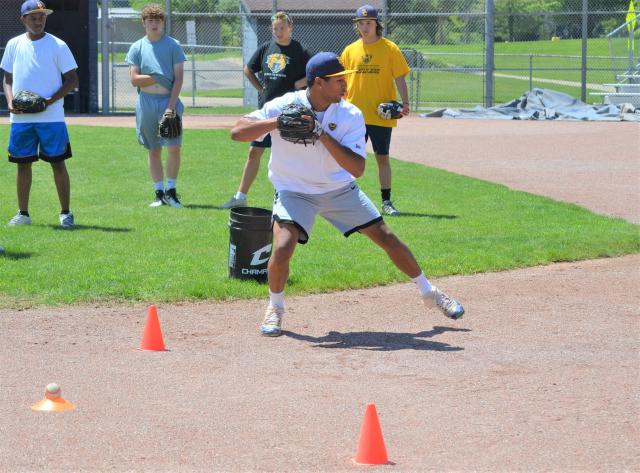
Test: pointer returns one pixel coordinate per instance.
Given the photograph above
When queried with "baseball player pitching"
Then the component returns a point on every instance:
(317, 177)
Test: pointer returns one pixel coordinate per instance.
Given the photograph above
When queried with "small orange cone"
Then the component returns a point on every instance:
(152, 336)
(371, 449)
(53, 401)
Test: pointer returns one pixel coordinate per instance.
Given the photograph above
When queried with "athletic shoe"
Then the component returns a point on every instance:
(172, 199)
(271, 325)
(19, 219)
(1, 249)
(66, 220)
(389, 209)
(233, 202)
(449, 307)
(159, 201)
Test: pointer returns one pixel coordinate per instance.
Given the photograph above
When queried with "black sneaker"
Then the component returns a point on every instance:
(160, 200)
(171, 198)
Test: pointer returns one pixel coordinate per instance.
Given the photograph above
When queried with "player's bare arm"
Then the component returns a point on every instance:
(7, 86)
(251, 77)
(140, 80)
(69, 83)
(178, 78)
(347, 159)
(300, 83)
(401, 84)
(248, 129)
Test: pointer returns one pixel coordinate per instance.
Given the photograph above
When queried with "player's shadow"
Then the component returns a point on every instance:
(381, 341)
(433, 216)
(100, 228)
(15, 255)
(202, 207)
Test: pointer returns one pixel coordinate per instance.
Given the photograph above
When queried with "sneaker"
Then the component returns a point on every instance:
(233, 202)
(159, 201)
(66, 220)
(171, 197)
(389, 209)
(449, 307)
(1, 249)
(19, 219)
(271, 325)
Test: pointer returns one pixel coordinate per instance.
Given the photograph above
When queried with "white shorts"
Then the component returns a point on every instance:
(348, 209)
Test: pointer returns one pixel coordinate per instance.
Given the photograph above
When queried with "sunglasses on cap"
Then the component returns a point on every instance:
(281, 16)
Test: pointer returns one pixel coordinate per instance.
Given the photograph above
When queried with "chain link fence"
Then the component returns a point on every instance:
(461, 52)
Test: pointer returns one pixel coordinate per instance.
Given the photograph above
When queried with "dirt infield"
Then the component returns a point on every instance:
(540, 375)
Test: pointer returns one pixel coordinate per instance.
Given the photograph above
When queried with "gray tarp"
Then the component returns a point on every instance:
(545, 104)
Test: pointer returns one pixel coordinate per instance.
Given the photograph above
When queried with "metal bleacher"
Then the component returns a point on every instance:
(627, 87)
(626, 90)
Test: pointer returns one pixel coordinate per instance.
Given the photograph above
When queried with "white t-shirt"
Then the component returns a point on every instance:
(312, 169)
(38, 66)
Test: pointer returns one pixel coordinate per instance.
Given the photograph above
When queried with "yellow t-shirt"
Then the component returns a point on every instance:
(378, 65)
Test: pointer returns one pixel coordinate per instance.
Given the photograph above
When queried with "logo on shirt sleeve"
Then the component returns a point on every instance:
(332, 126)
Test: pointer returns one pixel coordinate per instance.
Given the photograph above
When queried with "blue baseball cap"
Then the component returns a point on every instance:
(366, 12)
(34, 6)
(325, 64)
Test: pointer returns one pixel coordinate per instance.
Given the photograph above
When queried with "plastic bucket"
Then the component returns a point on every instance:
(250, 240)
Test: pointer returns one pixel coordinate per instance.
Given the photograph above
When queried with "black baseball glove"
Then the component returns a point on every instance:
(26, 101)
(390, 110)
(170, 125)
(298, 124)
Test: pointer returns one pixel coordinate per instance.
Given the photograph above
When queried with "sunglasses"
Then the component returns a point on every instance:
(281, 16)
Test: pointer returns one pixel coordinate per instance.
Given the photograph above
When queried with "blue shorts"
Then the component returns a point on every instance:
(149, 110)
(265, 143)
(48, 141)
(348, 209)
(380, 138)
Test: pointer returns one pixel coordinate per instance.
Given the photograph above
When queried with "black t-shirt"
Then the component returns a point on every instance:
(280, 67)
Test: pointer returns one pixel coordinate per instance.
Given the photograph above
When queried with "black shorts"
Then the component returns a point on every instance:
(266, 143)
(380, 138)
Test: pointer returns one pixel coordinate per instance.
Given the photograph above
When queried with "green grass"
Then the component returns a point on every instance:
(199, 56)
(455, 88)
(233, 93)
(569, 47)
(217, 110)
(452, 87)
(122, 250)
(214, 110)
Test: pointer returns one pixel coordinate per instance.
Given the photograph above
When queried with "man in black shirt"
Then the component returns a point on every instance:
(281, 63)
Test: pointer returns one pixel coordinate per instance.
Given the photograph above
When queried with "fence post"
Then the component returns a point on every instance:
(489, 52)
(631, 41)
(274, 7)
(104, 50)
(167, 18)
(585, 32)
(530, 72)
(385, 15)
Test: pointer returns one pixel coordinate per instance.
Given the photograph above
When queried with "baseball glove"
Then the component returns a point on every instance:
(26, 101)
(390, 110)
(295, 128)
(170, 125)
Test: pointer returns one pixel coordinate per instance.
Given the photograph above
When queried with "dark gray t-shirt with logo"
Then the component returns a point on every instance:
(279, 67)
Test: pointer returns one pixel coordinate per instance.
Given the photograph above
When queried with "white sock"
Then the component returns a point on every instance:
(240, 196)
(158, 185)
(424, 286)
(171, 183)
(276, 299)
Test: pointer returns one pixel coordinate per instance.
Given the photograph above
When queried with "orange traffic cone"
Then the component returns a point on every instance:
(53, 401)
(371, 449)
(152, 336)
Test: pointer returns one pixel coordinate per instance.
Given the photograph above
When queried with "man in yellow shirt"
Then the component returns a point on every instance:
(381, 67)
